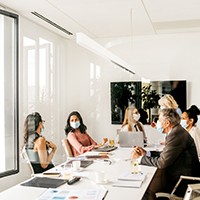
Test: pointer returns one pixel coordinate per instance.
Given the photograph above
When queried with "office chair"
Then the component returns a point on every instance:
(186, 180)
(67, 148)
(25, 157)
(193, 192)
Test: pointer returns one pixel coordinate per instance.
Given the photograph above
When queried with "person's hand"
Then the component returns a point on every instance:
(137, 152)
(104, 141)
(51, 145)
(153, 124)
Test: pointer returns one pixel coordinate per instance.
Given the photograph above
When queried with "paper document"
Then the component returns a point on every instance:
(81, 194)
(128, 176)
(129, 184)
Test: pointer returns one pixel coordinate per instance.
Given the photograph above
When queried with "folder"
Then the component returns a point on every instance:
(44, 182)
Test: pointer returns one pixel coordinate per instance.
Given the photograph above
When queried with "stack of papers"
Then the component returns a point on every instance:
(128, 179)
(81, 194)
(127, 176)
(127, 184)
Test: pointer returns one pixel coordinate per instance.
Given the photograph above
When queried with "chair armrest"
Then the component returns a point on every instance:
(163, 194)
(167, 195)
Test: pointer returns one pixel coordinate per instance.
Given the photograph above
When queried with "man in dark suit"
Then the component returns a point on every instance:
(179, 156)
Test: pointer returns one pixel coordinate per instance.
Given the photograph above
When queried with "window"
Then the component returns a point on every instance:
(40, 87)
(9, 145)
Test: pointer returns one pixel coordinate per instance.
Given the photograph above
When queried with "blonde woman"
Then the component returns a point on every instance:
(131, 121)
(168, 101)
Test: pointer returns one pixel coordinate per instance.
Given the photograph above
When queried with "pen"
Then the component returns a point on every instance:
(105, 195)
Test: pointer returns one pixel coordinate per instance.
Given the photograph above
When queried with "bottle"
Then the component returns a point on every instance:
(135, 166)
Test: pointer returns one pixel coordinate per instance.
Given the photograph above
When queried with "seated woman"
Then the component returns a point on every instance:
(77, 136)
(188, 121)
(37, 147)
(131, 121)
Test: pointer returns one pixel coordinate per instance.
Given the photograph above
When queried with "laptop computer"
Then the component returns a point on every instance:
(130, 139)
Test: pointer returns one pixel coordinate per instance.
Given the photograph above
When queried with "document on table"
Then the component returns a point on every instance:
(127, 184)
(81, 194)
(128, 179)
(128, 176)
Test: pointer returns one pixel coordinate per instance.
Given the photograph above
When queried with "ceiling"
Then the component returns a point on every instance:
(112, 18)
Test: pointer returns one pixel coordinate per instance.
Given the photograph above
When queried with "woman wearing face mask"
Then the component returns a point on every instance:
(39, 150)
(131, 121)
(188, 121)
(77, 136)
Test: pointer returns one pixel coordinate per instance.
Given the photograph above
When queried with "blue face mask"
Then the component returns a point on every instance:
(75, 124)
(159, 127)
(183, 123)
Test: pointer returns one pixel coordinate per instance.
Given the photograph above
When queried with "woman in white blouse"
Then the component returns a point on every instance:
(188, 121)
(131, 122)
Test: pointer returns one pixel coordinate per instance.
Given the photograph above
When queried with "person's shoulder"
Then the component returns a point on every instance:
(141, 123)
(40, 143)
(179, 131)
(124, 128)
(71, 134)
(40, 140)
(195, 129)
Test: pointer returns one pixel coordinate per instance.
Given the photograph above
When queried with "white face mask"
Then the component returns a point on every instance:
(75, 124)
(136, 117)
(159, 127)
(183, 123)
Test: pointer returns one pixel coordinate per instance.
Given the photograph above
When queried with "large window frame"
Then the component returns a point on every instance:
(9, 105)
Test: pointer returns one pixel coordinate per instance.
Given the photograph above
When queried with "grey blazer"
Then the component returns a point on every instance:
(179, 157)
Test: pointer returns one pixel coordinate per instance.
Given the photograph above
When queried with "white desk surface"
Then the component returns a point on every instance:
(120, 164)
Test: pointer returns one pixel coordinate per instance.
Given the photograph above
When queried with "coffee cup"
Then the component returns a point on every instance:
(99, 176)
(76, 165)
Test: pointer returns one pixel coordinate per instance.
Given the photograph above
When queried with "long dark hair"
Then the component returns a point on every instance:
(30, 126)
(82, 127)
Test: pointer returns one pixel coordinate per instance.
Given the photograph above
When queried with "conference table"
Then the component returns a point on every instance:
(120, 163)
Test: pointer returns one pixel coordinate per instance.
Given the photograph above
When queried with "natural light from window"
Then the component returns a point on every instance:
(2, 103)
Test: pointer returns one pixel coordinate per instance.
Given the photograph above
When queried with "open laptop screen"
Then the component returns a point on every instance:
(131, 138)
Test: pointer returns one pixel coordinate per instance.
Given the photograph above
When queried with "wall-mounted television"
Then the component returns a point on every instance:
(124, 94)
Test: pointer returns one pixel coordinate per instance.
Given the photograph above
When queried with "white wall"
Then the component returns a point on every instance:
(157, 58)
(163, 57)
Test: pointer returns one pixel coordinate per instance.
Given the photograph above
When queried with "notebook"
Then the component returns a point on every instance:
(130, 139)
(44, 182)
